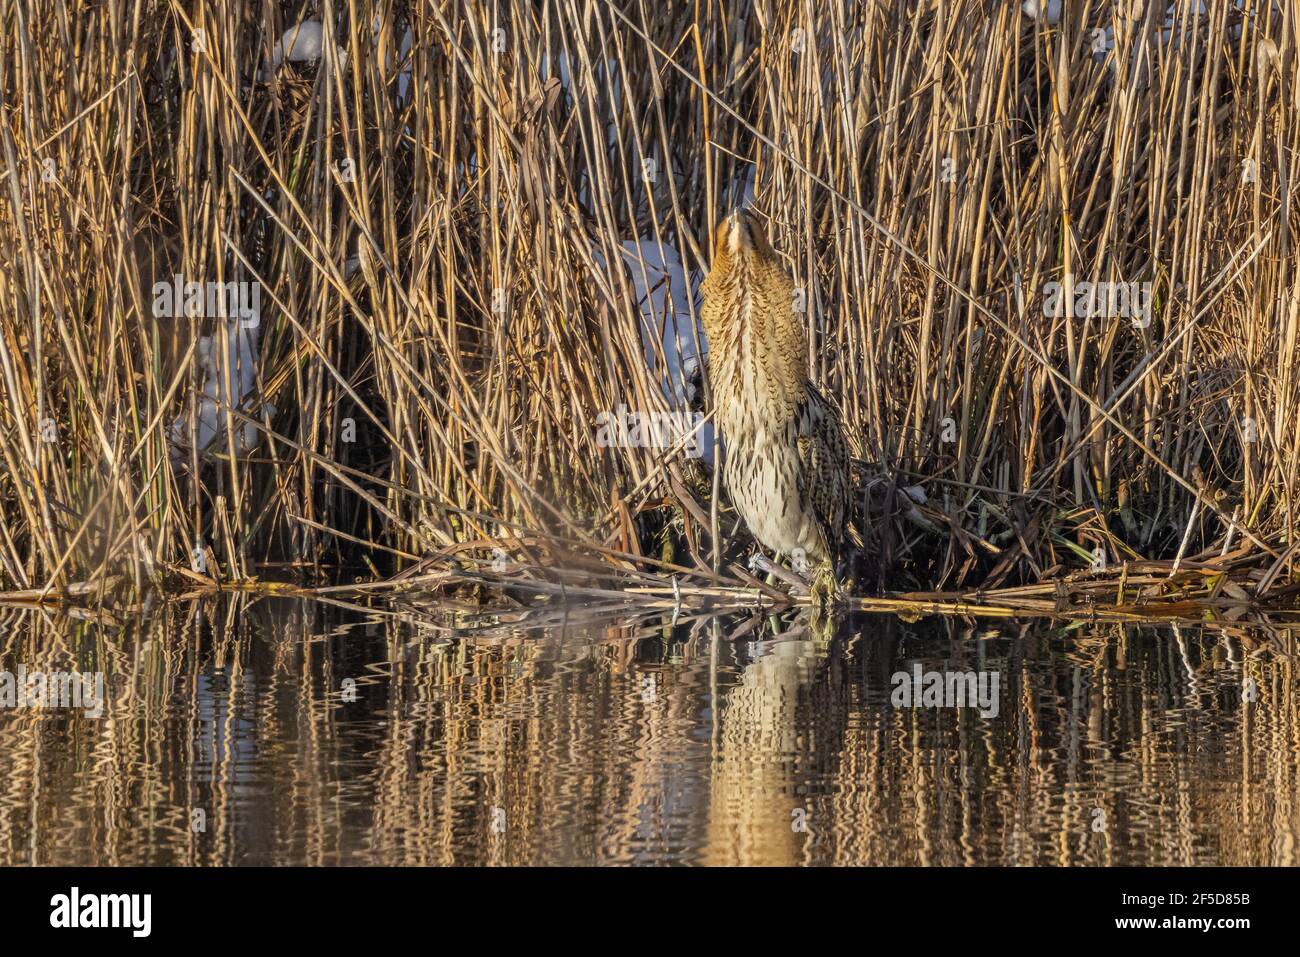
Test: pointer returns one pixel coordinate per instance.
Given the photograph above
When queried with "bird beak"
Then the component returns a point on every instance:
(736, 227)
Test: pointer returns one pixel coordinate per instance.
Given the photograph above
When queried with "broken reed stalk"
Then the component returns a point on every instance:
(434, 231)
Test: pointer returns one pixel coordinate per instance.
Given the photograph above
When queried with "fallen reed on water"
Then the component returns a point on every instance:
(1048, 273)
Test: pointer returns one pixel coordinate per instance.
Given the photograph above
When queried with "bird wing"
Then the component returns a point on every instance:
(824, 457)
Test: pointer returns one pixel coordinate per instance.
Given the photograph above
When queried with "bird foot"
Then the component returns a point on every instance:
(824, 591)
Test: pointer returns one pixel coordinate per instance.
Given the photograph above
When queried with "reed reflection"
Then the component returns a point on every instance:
(285, 732)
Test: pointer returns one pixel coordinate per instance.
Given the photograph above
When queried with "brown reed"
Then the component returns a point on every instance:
(926, 167)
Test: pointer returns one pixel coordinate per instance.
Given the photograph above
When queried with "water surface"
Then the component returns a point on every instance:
(285, 732)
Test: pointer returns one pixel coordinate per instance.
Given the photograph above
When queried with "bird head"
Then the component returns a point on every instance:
(740, 235)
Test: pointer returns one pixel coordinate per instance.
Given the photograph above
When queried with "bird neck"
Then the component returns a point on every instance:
(758, 346)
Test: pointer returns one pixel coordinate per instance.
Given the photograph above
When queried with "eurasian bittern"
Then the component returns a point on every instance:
(787, 462)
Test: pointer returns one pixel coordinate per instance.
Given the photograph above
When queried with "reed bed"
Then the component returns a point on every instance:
(1226, 594)
(437, 231)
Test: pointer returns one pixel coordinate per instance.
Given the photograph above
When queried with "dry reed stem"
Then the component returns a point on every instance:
(927, 169)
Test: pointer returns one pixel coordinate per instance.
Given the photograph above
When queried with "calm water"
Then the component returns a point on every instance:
(280, 732)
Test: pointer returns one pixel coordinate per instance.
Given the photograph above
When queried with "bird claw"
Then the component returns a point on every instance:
(824, 591)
